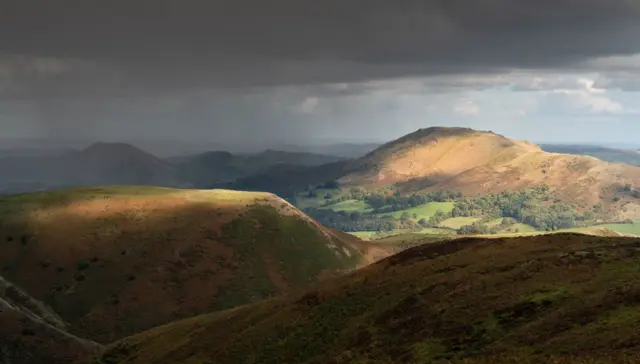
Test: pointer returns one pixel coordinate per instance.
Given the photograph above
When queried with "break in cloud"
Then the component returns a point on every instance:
(303, 70)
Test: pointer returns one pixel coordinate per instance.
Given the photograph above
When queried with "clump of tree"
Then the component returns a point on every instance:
(532, 207)
(329, 185)
(383, 203)
(476, 228)
(631, 191)
(357, 221)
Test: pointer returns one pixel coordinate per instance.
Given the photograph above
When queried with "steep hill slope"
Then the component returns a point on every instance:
(564, 298)
(116, 260)
(476, 162)
(31, 333)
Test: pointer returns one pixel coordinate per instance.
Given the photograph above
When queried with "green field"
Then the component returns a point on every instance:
(391, 235)
(522, 228)
(412, 239)
(303, 201)
(494, 222)
(456, 223)
(349, 206)
(365, 234)
(624, 228)
(424, 211)
(436, 231)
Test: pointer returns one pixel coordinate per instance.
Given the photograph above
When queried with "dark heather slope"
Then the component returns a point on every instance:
(564, 298)
(31, 333)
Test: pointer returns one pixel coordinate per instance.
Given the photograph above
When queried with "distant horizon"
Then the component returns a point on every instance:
(7, 143)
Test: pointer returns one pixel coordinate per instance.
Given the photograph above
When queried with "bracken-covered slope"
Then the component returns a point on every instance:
(112, 261)
(31, 333)
(476, 162)
(564, 298)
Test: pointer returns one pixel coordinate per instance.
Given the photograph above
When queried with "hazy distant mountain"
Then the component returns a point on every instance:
(32, 152)
(285, 179)
(124, 164)
(345, 150)
(99, 164)
(205, 169)
(628, 156)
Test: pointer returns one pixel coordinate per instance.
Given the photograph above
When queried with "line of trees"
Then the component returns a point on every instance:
(383, 200)
(356, 221)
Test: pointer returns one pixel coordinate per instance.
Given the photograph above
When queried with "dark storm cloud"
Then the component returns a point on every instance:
(167, 45)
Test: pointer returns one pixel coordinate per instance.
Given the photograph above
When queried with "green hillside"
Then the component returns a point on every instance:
(116, 260)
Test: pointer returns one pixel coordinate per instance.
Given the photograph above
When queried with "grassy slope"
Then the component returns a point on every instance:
(303, 200)
(522, 228)
(458, 222)
(489, 301)
(625, 228)
(116, 260)
(425, 211)
(364, 234)
(349, 206)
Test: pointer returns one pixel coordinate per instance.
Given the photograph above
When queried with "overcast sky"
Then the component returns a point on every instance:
(309, 71)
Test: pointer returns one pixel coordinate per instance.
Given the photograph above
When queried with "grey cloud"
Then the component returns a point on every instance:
(165, 45)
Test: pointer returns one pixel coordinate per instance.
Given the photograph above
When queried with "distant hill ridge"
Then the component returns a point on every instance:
(125, 164)
(627, 156)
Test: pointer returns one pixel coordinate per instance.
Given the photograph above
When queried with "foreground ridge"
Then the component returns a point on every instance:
(564, 298)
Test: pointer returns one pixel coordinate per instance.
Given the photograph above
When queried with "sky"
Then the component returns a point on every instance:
(303, 71)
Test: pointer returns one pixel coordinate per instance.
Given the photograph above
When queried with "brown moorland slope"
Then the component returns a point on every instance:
(476, 162)
(561, 298)
(31, 333)
(112, 261)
